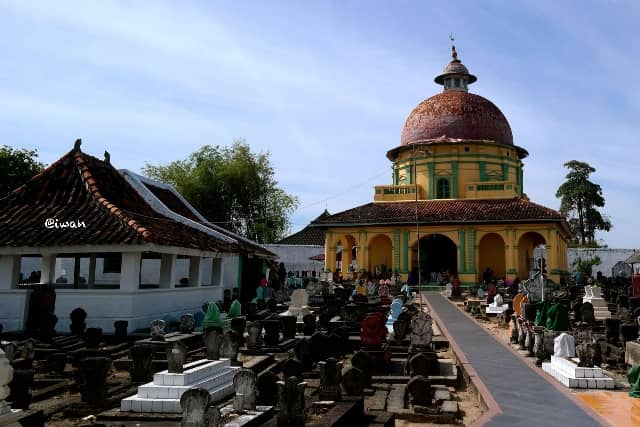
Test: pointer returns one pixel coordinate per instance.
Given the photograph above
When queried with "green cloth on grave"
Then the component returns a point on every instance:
(633, 376)
(541, 313)
(212, 318)
(558, 317)
(235, 310)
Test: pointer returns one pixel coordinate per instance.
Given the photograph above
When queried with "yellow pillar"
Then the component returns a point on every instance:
(330, 253)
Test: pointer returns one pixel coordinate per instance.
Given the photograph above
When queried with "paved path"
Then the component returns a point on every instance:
(524, 397)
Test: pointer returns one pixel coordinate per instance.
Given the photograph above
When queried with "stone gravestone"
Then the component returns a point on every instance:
(498, 300)
(57, 363)
(363, 362)
(187, 323)
(92, 337)
(564, 346)
(585, 353)
(254, 338)
(291, 402)
(267, 387)
(272, 305)
(176, 356)
(157, 330)
(78, 317)
(424, 364)
(420, 390)
(401, 326)
(396, 309)
(421, 330)
(612, 330)
(213, 343)
(10, 351)
(244, 383)
(330, 378)
(230, 346)
(6, 375)
(373, 330)
(120, 332)
(239, 324)
(587, 313)
(320, 346)
(29, 349)
(141, 363)
(353, 381)
(272, 332)
(289, 327)
(196, 411)
(20, 385)
(309, 324)
(304, 354)
(93, 389)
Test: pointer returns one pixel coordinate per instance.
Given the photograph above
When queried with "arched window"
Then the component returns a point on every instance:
(443, 188)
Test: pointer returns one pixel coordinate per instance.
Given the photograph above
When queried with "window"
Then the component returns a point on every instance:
(112, 263)
(443, 188)
(456, 82)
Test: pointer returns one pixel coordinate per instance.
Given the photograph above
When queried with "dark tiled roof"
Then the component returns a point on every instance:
(307, 236)
(516, 210)
(79, 187)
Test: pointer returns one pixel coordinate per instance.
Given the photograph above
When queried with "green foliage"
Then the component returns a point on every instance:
(233, 187)
(585, 266)
(17, 166)
(579, 202)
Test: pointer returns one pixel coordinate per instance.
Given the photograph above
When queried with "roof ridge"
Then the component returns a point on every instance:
(92, 186)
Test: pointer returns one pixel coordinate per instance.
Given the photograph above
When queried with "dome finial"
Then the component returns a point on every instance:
(454, 54)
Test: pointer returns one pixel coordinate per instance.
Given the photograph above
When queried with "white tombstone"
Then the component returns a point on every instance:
(595, 292)
(6, 375)
(480, 293)
(299, 298)
(588, 291)
(498, 300)
(448, 289)
(564, 346)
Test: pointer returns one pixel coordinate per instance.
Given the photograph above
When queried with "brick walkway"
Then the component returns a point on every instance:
(524, 397)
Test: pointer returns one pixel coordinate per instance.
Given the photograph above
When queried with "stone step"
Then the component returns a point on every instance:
(571, 369)
(572, 382)
(193, 372)
(140, 404)
(153, 391)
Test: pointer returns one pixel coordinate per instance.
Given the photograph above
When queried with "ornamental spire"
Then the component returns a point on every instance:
(455, 75)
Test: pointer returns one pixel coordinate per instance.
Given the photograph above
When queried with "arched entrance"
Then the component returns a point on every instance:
(492, 255)
(380, 253)
(531, 248)
(438, 254)
(346, 254)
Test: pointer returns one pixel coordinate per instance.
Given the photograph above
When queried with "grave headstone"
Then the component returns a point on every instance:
(58, 362)
(330, 379)
(421, 330)
(272, 305)
(11, 351)
(78, 317)
(309, 324)
(141, 363)
(291, 402)
(244, 383)
(395, 309)
(353, 381)
(401, 326)
(612, 330)
(157, 330)
(629, 331)
(373, 330)
(304, 354)
(235, 310)
(362, 360)
(587, 313)
(213, 342)
(254, 338)
(29, 349)
(187, 323)
(320, 346)
(196, 409)
(324, 320)
(93, 389)
(239, 324)
(585, 352)
(120, 330)
(176, 356)
(230, 346)
(288, 327)
(20, 387)
(212, 318)
(292, 368)
(92, 337)
(272, 332)
(267, 387)
(420, 390)
(423, 364)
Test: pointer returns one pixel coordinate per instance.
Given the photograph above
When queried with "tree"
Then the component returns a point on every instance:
(232, 187)
(17, 166)
(579, 202)
(585, 266)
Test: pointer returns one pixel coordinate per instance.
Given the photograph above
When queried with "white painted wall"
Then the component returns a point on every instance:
(12, 308)
(609, 258)
(296, 257)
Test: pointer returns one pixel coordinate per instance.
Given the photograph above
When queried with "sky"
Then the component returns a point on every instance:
(325, 86)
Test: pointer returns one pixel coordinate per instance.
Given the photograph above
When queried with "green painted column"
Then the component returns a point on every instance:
(461, 252)
(396, 250)
(483, 171)
(405, 252)
(521, 186)
(471, 249)
(505, 172)
(454, 179)
(409, 173)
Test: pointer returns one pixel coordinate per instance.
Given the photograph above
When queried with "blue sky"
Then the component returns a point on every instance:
(325, 86)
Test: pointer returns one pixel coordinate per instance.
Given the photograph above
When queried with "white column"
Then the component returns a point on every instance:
(92, 271)
(195, 275)
(217, 271)
(168, 271)
(130, 271)
(9, 271)
(48, 269)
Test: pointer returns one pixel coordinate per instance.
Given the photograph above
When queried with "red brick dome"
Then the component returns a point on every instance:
(455, 115)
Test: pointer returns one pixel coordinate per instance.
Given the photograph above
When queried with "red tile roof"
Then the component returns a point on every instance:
(80, 187)
(307, 236)
(434, 212)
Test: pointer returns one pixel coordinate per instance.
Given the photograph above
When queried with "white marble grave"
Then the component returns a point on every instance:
(298, 306)
(497, 306)
(566, 371)
(600, 308)
(164, 393)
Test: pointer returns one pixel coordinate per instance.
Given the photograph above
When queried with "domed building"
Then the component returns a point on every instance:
(456, 202)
